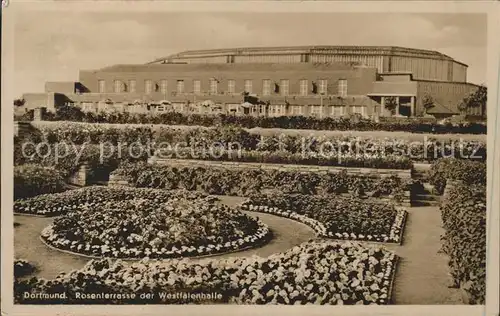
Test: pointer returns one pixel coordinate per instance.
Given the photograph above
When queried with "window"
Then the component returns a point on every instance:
(277, 110)
(160, 108)
(338, 111)
(102, 86)
(213, 86)
(284, 86)
(358, 109)
(315, 110)
(296, 110)
(148, 86)
(303, 87)
(180, 86)
(342, 88)
(323, 86)
(197, 86)
(231, 86)
(266, 87)
(164, 86)
(178, 107)
(131, 86)
(118, 86)
(87, 106)
(248, 86)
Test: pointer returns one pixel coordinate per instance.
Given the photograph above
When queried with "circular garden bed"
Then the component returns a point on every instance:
(136, 223)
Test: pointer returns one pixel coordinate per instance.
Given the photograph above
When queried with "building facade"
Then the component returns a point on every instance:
(283, 81)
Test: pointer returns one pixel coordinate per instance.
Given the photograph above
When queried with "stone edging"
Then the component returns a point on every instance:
(320, 229)
(263, 236)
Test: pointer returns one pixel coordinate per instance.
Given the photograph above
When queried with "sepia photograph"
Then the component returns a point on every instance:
(247, 157)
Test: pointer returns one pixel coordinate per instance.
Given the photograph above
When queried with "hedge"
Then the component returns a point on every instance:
(468, 172)
(463, 214)
(66, 113)
(31, 180)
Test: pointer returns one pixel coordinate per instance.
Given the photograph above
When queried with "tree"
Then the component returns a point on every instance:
(427, 102)
(476, 99)
(391, 104)
(19, 102)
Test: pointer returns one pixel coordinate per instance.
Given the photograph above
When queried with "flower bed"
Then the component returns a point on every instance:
(464, 219)
(144, 226)
(315, 273)
(227, 181)
(31, 180)
(338, 217)
(60, 203)
(22, 268)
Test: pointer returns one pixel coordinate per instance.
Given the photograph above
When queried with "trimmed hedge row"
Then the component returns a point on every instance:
(31, 180)
(464, 219)
(66, 113)
(469, 172)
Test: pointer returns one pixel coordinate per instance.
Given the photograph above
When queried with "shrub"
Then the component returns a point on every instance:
(31, 180)
(468, 172)
(464, 219)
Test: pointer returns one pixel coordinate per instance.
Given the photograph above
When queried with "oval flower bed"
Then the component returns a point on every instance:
(312, 273)
(60, 203)
(141, 227)
(336, 217)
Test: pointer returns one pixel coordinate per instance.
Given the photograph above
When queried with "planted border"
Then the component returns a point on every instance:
(324, 229)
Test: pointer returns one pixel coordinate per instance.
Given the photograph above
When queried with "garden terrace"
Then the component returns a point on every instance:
(141, 224)
(419, 148)
(339, 218)
(463, 213)
(318, 273)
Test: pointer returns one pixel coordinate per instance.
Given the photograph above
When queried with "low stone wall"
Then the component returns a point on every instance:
(80, 177)
(115, 180)
(368, 172)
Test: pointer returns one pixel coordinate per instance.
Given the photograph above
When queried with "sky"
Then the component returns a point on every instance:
(55, 45)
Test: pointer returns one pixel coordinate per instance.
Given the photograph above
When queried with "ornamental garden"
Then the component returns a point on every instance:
(163, 209)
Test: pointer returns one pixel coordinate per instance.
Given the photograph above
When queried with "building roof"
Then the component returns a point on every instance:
(362, 50)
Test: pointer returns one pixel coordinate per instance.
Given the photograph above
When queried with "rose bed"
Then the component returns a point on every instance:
(336, 217)
(160, 226)
(312, 273)
(60, 203)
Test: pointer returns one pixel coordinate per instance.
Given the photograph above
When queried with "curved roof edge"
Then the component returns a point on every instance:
(307, 49)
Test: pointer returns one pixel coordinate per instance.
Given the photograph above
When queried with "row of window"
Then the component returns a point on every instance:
(274, 110)
(283, 87)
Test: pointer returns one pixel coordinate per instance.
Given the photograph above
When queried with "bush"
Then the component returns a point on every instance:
(31, 180)
(22, 268)
(468, 172)
(464, 219)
